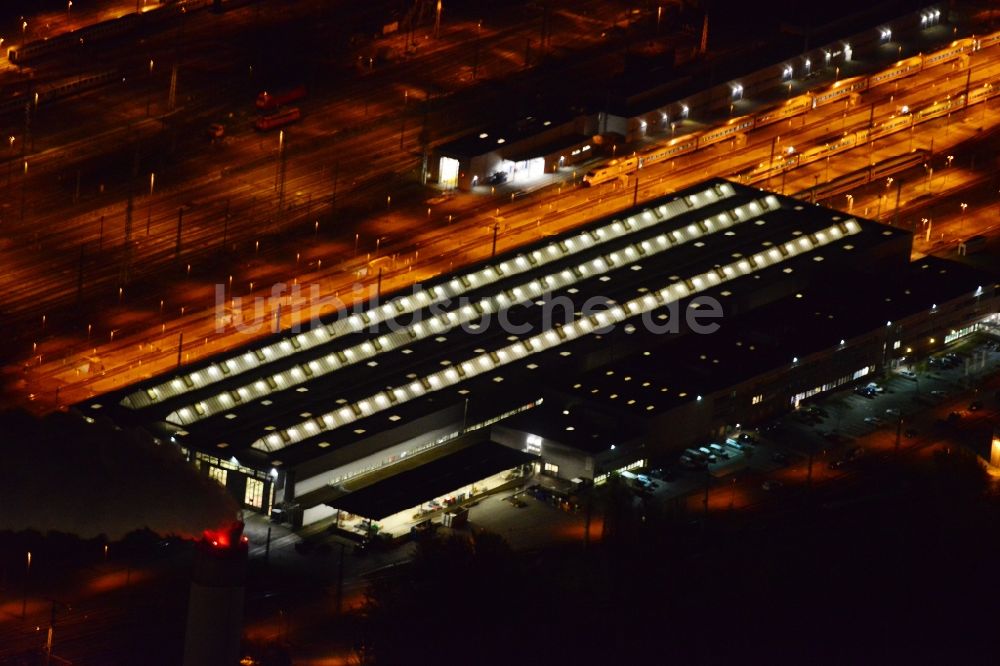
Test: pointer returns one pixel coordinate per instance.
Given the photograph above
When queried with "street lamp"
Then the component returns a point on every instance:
(281, 148)
(850, 202)
(883, 196)
(964, 206)
(149, 207)
(10, 162)
(24, 598)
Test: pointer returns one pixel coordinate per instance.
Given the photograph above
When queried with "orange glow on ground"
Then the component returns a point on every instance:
(10, 609)
(116, 580)
(575, 531)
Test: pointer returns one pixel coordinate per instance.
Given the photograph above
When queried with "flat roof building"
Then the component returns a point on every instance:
(633, 336)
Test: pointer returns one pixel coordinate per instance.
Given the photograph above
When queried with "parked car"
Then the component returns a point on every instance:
(975, 405)
(712, 458)
(719, 451)
(910, 433)
(739, 446)
(813, 410)
(909, 374)
(893, 411)
(874, 420)
(692, 462)
(772, 484)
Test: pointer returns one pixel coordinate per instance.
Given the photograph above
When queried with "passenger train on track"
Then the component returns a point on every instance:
(841, 90)
(860, 137)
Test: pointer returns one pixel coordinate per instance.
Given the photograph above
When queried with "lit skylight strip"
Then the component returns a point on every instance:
(554, 251)
(485, 363)
(469, 313)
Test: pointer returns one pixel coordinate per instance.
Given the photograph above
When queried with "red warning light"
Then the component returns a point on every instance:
(225, 537)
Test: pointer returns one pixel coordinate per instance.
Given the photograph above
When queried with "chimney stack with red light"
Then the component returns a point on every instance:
(215, 609)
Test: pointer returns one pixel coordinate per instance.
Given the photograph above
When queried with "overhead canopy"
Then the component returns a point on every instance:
(434, 479)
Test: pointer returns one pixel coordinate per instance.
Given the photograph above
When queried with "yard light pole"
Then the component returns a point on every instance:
(24, 597)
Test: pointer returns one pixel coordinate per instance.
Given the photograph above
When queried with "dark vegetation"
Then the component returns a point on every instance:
(904, 569)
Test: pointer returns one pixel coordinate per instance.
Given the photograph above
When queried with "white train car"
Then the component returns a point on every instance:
(610, 171)
(793, 107)
(679, 146)
(988, 41)
(841, 90)
(727, 131)
(982, 93)
(953, 51)
(890, 126)
(939, 108)
(819, 152)
(900, 70)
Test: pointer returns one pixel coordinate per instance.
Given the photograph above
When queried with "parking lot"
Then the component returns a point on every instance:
(836, 421)
(842, 430)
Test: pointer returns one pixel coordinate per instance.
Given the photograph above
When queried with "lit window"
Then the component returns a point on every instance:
(218, 474)
(254, 495)
(757, 399)
(552, 469)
